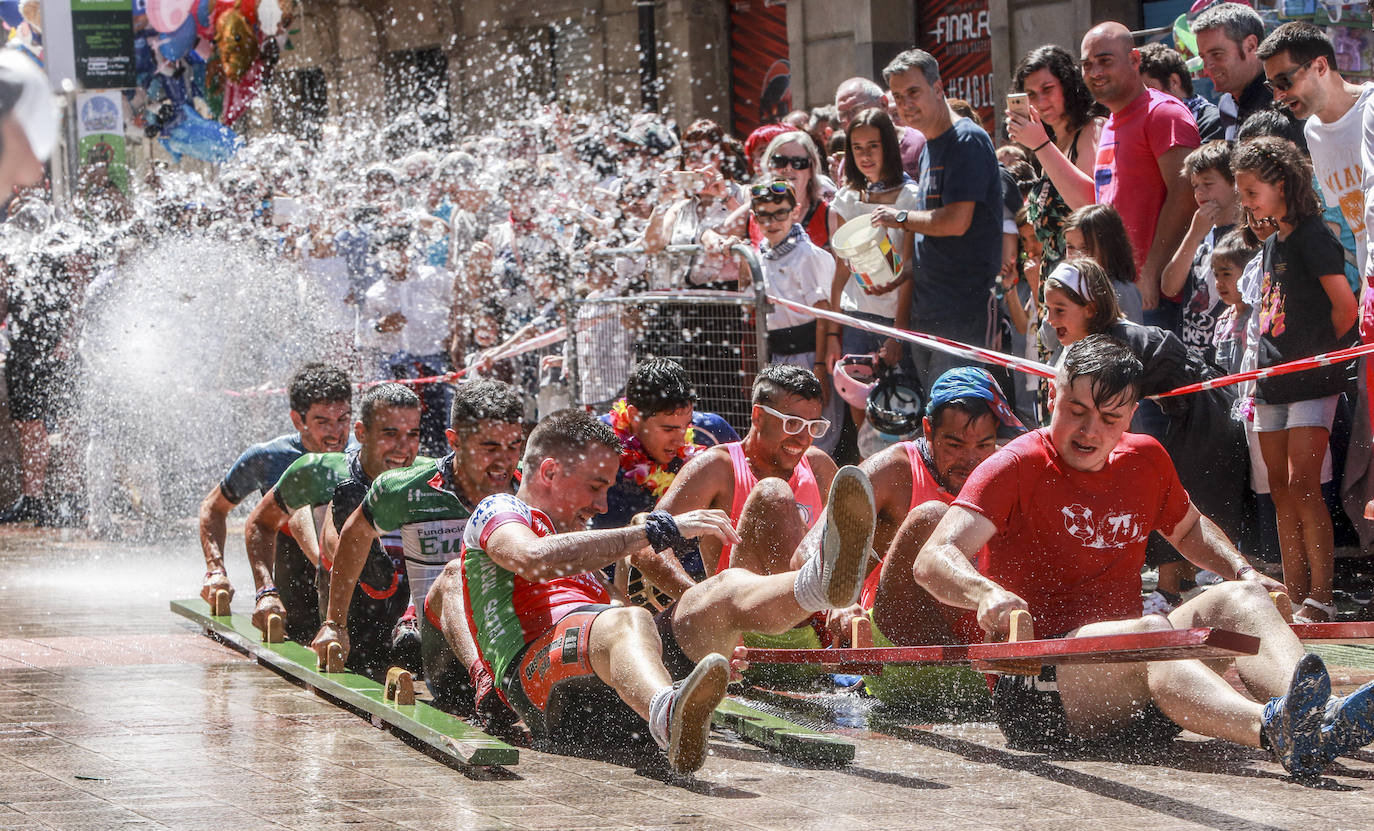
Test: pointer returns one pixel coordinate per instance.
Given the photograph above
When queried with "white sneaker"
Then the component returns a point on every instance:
(848, 536)
(689, 715)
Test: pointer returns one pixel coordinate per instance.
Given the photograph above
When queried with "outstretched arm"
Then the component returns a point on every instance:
(944, 569)
(214, 513)
(1205, 545)
(259, 538)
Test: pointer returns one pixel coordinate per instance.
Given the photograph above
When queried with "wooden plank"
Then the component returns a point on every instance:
(778, 734)
(442, 731)
(1338, 632)
(1201, 643)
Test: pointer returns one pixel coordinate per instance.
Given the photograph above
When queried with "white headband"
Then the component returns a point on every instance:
(1070, 277)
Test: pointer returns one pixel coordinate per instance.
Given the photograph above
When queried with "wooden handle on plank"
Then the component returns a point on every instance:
(861, 632)
(1282, 602)
(1020, 627)
(400, 686)
(220, 606)
(274, 631)
(334, 663)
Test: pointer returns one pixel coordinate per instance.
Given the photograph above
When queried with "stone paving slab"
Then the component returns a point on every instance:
(115, 714)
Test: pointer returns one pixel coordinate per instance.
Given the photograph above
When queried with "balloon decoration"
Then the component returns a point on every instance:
(199, 64)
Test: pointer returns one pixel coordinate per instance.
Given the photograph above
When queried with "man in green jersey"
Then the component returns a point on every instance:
(388, 431)
(542, 619)
(430, 504)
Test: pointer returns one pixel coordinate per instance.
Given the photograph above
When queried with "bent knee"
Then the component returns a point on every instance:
(1242, 593)
(771, 491)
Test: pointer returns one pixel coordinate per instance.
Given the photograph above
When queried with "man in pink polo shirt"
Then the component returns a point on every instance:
(1140, 155)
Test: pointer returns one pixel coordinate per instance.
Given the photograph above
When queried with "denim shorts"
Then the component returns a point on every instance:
(1314, 412)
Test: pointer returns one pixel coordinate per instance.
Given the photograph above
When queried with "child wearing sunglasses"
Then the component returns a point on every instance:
(794, 268)
(793, 156)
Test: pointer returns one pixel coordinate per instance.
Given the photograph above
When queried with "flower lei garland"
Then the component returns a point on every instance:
(636, 464)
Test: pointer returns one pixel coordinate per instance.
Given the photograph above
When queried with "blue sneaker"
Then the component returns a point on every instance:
(1348, 724)
(1293, 722)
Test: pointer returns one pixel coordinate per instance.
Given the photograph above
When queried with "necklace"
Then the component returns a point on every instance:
(636, 464)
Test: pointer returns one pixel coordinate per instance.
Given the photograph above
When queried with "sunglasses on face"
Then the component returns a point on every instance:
(796, 162)
(770, 190)
(772, 216)
(1283, 81)
(792, 425)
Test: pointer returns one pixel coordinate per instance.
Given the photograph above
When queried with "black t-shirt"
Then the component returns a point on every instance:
(1295, 313)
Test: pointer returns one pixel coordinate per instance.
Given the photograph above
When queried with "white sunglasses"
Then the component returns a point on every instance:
(792, 425)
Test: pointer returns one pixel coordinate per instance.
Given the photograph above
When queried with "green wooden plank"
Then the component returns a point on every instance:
(774, 733)
(436, 728)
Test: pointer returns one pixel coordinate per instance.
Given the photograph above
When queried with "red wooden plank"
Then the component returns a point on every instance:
(1349, 632)
(1174, 644)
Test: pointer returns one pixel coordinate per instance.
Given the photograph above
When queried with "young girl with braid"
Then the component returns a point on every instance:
(1306, 308)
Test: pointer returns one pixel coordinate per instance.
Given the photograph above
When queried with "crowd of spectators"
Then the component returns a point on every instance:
(1120, 201)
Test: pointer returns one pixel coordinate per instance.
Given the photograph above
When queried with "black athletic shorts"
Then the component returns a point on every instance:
(1031, 716)
(40, 389)
(295, 578)
(677, 663)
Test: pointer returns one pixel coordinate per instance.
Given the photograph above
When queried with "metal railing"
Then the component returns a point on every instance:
(719, 337)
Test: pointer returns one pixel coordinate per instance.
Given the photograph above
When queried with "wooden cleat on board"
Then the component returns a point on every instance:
(219, 607)
(400, 686)
(1283, 604)
(334, 660)
(274, 631)
(1020, 628)
(861, 632)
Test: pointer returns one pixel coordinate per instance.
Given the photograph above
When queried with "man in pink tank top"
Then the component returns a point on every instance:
(771, 483)
(914, 483)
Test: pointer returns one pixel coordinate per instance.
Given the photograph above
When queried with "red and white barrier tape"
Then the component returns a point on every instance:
(963, 350)
(1299, 365)
(537, 342)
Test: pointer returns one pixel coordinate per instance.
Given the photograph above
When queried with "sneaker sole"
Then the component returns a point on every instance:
(690, 721)
(851, 519)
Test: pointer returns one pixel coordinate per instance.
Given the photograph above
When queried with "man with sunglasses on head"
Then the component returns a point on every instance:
(770, 483)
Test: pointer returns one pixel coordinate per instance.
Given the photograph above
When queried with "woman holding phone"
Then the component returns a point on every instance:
(1060, 124)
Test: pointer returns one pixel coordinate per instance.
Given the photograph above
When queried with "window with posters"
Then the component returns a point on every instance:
(959, 35)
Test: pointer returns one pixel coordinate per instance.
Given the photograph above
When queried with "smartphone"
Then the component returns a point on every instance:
(1019, 102)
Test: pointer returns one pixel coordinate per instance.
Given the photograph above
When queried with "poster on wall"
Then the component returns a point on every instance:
(760, 76)
(958, 34)
(103, 36)
(100, 137)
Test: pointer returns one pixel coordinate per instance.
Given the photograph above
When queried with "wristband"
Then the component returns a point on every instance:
(1243, 570)
(331, 623)
(270, 590)
(212, 572)
(1042, 146)
(662, 531)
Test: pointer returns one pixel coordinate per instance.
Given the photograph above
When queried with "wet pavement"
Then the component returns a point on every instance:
(115, 713)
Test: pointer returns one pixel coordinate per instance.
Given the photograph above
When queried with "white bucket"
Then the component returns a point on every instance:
(868, 251)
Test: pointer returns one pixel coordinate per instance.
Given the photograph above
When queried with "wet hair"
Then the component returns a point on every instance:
(1079, 104)
(913, 59)
(565, 435)
(318, 383)
(777, 380)
(1270, 122)
(1105, 233)
(813, 186)
(390, 394)
(878, 119)
(1238, 21)
(1112, 368)
(971, 407)
(1235, 249)
(1301, 40)
(485, 400)
(659, 385)
(1275, 161)
(1214, 155)
(1159, 62)
(1099, 293)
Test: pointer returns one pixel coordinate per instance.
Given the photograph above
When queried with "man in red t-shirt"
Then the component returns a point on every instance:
(1064, 512)
(1140, 154)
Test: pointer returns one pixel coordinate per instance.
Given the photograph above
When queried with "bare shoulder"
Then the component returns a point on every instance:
(701, 482)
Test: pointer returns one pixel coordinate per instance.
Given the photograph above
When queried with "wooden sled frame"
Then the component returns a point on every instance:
(393, 703)
(1022, 655)
(445, 732)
